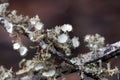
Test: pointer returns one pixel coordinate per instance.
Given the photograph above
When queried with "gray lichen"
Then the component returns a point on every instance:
(53, 44)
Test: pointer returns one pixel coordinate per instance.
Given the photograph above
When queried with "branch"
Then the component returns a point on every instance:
(36, 35)
(105, 53)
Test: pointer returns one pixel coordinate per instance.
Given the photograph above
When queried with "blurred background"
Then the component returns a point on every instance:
(86, 17)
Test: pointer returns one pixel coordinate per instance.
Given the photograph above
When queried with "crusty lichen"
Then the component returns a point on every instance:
(53, 44)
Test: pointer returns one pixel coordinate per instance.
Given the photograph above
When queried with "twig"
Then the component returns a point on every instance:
(103, 54)
(106, 53)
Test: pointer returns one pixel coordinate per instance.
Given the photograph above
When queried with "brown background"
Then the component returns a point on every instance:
(86, 16)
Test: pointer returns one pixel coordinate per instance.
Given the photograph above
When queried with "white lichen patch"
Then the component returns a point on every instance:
(34, 20)
(7, 25)
(75, 42)
(68, 54)
(95, 42)
(25, 78)
(43, 45)
(16, 46)
(49, 73)
(73, 61)
(39, 67)
(87, 38)
(66, 28)
(23, 50)
(28, 62)
(62, 38)
(38, 26)
(57, 29)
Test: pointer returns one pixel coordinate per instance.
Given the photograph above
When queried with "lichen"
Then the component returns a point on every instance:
(51, 46)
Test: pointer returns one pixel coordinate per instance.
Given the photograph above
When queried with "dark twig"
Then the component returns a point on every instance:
(106, 53)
